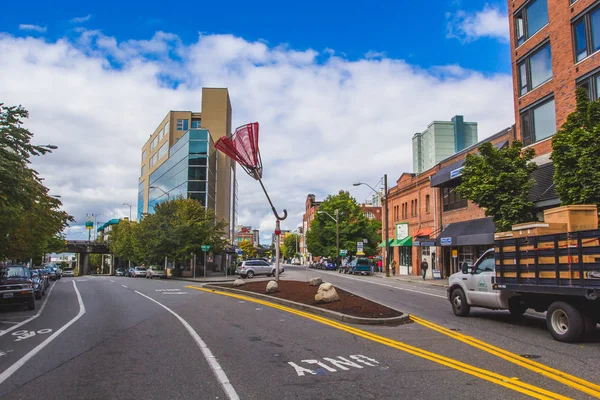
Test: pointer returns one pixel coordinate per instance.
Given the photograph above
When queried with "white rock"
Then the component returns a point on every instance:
(272, 287)
(239, 282)
(326, 296)
(316, 281)
(325, 287)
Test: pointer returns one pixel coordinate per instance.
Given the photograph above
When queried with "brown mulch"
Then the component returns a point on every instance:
(302, 292)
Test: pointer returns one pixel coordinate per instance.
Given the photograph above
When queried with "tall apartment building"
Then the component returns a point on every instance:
(554, 49)
(440, 140)
(179, 159)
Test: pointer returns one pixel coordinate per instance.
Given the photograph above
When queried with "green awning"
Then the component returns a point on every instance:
(407, 241)
(382, 244)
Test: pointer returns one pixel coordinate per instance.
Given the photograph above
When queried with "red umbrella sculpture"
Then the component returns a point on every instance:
(242, 146)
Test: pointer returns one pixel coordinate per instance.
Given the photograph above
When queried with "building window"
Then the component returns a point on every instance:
(592, 85)
(167, 126)
(530, 19)
(369, 215)
(538, 122)
(143, 170)
(195, 124)
(586, 34)
(427, 204)
(154, 143)
(163, 150)
(452, 200)
(144, 154)
(182, 124)
(535, 69)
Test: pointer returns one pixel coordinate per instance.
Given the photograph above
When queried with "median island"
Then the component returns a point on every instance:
(304, 293)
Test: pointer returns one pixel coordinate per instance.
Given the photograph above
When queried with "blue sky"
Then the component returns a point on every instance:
(415, 31)
(330, 82)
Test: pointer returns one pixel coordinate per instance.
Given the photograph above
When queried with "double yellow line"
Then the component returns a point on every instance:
(559, 376)
(510, 383)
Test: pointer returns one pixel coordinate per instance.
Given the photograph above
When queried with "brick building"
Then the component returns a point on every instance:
(554, 49)
(245, 234)
(424, 208)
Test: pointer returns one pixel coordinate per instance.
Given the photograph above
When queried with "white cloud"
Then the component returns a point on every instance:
(324, 124)
(78, 20)
(30, 27)
(490, 22)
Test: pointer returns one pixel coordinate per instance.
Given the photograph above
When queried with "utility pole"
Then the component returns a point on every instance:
(387, 233)
(337, 237)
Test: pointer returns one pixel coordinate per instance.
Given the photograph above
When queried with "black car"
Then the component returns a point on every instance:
(39, 287)
(16, 286)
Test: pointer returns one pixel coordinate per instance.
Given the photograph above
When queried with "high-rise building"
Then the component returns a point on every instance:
(440, 140)
(179, 159)
(554, 49)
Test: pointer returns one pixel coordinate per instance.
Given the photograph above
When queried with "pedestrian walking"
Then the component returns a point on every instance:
(424, 267)
(379, 265)
(394, 267)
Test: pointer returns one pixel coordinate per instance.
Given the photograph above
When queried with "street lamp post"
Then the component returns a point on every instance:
(337, 233)
(96, 226)
(385, 201)
(125, 204)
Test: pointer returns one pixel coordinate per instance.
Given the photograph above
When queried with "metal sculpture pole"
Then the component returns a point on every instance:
(242, 147)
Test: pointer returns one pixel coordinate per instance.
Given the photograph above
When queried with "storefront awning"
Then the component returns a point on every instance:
(423, 232)
(407, 241)
(468, 233)
(382, 244)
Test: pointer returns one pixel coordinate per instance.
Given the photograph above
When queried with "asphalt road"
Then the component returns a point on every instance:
(125, 338)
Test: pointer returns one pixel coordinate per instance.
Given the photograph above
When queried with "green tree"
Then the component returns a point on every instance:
(121, 241)
(177, 229)
(290, 245)
(353, 227)
(576, 154)
(499, 181)
(248, 250)
(31, 222)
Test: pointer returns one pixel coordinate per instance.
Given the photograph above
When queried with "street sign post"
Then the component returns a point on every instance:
(205, 248)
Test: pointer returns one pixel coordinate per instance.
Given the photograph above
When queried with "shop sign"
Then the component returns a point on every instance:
(447, 241)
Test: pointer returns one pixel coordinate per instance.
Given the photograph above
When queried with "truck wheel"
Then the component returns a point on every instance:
(565, 322)
(516, 308)
(459, 303)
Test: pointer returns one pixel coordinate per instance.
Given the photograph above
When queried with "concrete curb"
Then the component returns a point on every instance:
(202, 282)
(402, 319)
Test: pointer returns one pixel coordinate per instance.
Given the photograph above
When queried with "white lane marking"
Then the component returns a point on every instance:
(13, 368)
(20, 324)
(175, 293)
(212, 362)
(23, 335)
(124, 286)
(9, 322)
(393, 287)
(112, 281)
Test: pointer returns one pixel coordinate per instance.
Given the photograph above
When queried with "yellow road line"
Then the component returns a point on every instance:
(510, 383)
(576, 383)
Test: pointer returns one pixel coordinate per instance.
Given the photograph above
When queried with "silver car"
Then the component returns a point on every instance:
(156, 271)
(139, 272)
(250, 268)
(68, 272)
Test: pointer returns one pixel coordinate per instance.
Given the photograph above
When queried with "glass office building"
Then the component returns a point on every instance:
(189, 172)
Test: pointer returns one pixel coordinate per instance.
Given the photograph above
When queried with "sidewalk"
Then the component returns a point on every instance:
(208, 279)
(415, 279)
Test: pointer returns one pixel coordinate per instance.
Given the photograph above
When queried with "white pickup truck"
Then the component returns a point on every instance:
(474, 287)
(521, 274)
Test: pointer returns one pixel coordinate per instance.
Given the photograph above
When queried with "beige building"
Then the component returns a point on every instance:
(180, 160)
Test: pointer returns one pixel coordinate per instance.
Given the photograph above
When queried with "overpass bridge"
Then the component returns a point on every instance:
(83, 249)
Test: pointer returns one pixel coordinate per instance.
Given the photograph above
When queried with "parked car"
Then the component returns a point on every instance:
(330, 265)
(120, 272)
(68, 272)
(44, 277)
(138, 272)
(130, 272)
(16, 286)
(52, 270)
(250, 268)
(156, 271)
(361, 266)
(39, 287)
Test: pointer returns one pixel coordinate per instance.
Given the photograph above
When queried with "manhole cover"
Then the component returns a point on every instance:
(530, 356)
